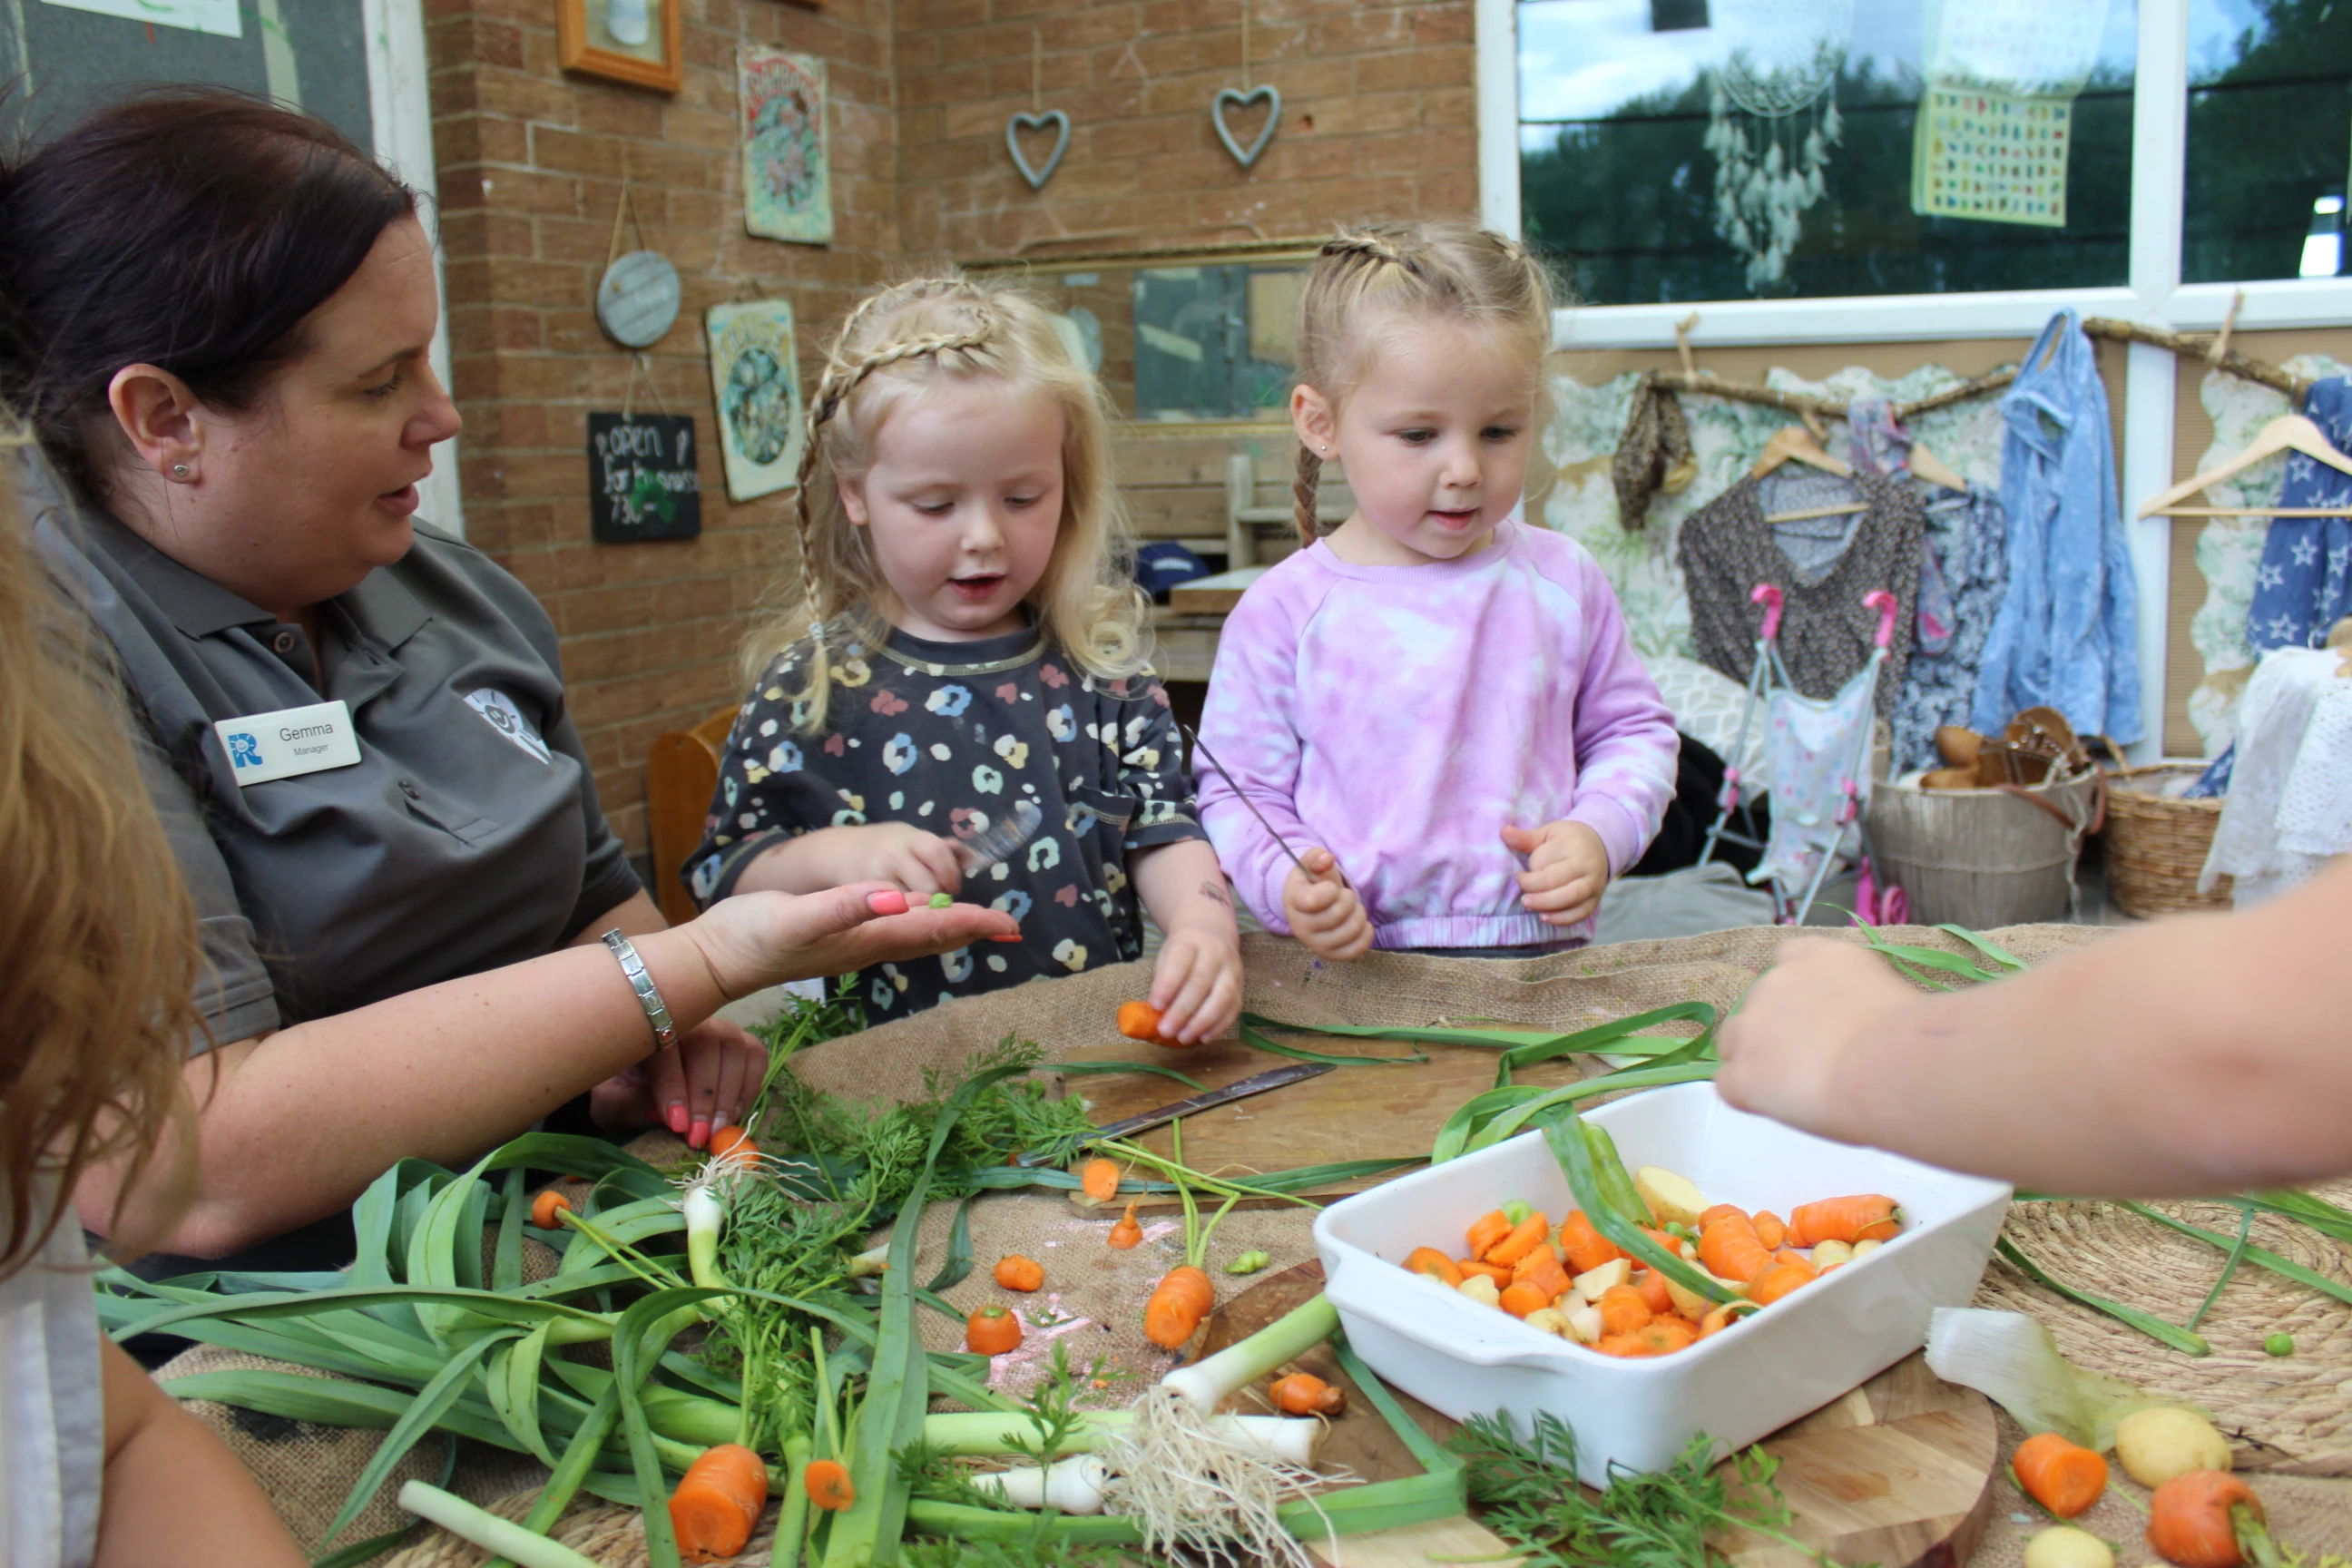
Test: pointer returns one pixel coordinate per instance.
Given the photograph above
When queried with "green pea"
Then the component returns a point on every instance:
(2279, 1344)
(941, 901)
(1516, 1212)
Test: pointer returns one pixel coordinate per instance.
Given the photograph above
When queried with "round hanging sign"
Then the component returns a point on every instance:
(637, 302)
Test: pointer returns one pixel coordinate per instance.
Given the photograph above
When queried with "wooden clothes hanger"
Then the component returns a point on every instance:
(2288, 433)
(1933, 469)
(1795, 442)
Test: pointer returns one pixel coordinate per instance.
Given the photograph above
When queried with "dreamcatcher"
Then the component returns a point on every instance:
(1771, 125)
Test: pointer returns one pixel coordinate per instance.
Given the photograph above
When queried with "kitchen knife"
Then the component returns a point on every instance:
(1127, 1126)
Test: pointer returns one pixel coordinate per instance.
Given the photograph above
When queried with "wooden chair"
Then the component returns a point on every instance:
(1258, 499)
(681, 775)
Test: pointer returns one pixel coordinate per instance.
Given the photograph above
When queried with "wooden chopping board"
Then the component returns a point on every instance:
(1899, 1472)
(1347, 1113)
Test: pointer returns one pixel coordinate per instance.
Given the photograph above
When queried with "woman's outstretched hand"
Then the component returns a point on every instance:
(756, 939)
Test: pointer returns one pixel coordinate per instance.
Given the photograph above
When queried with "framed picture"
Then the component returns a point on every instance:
(787, 161)
(755, 380)
(634, 41)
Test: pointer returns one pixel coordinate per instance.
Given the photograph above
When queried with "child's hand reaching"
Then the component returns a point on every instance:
(1323, 912)
(900, 852)
(1197, 985)
(1567, 870)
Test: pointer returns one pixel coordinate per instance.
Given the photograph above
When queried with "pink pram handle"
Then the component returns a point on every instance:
(1766, 595)
(1882, 601)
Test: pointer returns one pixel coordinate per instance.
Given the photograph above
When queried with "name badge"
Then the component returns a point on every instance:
(292, 741)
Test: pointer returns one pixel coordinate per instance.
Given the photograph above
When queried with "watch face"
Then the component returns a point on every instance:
(639, 298)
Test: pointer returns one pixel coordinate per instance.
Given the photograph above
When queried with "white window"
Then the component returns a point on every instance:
(1874, 170)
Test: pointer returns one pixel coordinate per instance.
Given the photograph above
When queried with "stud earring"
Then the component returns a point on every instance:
(179, 471)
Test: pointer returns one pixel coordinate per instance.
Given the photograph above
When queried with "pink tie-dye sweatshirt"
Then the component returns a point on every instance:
(1400, 716)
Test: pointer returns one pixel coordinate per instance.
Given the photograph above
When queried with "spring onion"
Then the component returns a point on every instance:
(987, 1432)
(1073, 1485)
(2012, 1359)
(486, 1529)
(1206, 1384)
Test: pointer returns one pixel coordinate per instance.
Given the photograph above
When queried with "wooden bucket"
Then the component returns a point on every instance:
(2156, 842)
(1981, 858)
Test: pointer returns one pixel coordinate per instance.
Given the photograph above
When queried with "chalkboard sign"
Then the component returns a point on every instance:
(641, 478)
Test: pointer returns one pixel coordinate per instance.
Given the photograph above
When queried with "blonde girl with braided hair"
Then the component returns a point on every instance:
(961, 652)
(1436, 707)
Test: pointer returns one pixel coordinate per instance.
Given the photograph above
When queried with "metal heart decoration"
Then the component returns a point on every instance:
(1020, 123)
(1228, 98)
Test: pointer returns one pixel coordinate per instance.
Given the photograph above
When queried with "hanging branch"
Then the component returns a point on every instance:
(2214, 350)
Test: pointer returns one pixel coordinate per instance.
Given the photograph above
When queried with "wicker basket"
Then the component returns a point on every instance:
(1980, 858)
(2156, 842)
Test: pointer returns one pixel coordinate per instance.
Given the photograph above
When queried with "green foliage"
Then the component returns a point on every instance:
(1528, 1495)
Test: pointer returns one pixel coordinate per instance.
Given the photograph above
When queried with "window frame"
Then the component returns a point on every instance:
(2153, 296)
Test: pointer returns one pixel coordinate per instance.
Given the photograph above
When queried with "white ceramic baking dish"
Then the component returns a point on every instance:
(1745, 1382)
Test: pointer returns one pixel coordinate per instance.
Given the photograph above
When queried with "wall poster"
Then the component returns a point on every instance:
(787, 165)
(755, 382)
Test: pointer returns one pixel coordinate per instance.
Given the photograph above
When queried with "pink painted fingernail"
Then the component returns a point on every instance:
(677, 1118)
(888, 902)
(701, 1135)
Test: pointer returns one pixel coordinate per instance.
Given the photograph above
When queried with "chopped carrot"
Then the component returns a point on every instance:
(1586, 1247)
(1488, 1229)
(1100, 1180)
(1778, 1280)
(1019, 1273)
(1721, 1316)
(1495, 1272)
(730, 1138)
(1542, 1270)
(1790, 1255)
(1429, 1261)
(1719, 1211)
(1662, 1337)
(1653, 1286)
(546, 1206)
(1525, 1237)
(2207, 1518)
(1141, 1020)
(1523, 1298)
(991, 1330)
(1178, 1303)
(1126, 1232)
(1771, 1228)
(1864, 1218)
(2064, 1477)
(827, 1482)
(1304, 1394)
(1622, 1311)
(718, 1502)
(1728, 1248)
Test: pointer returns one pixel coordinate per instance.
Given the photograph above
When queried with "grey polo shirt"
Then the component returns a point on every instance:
(467, 835)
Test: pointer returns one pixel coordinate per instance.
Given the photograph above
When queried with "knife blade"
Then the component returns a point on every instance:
(1144, 1121)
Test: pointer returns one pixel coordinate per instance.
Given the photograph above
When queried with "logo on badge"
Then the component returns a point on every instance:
(244, 751)
(499, 711)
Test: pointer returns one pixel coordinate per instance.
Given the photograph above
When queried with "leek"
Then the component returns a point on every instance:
(1206, 1384)
(488, 1530)
(2012, 1359)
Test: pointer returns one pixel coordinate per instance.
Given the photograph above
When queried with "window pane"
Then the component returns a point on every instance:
(1674, 150)
(2270, 133)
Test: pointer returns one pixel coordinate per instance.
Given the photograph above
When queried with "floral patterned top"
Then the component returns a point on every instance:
(944, 735)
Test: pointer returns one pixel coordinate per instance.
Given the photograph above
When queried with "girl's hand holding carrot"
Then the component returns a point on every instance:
(1567, 870)
(1323, 911)
(1197, 985)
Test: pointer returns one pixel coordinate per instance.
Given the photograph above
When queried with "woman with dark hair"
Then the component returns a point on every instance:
(421, 935)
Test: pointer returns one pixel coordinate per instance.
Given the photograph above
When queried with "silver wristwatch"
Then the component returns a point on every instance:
(649, 995)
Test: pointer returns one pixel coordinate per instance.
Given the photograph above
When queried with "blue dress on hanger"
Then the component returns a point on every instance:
(2067, 633)
(2304, 583)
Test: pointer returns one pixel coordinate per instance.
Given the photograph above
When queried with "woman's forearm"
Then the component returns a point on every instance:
(2197, 1055)
(294, 1124)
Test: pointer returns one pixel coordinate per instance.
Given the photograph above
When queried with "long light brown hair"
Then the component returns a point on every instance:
(1437, 269)
(890, 348)
(98, 948)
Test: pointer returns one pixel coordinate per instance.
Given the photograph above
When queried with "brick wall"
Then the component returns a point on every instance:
(1378, 120)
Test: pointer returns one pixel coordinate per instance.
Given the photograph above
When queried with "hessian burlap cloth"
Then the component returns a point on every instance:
(2291, 1418)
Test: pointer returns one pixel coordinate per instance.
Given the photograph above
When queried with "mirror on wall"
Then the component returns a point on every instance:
(1180, 339)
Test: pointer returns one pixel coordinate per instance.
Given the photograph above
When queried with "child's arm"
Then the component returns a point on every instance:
(172, 1493)
(1625, 741)
(896, 852)
(2203, 1053)
(1197, 983)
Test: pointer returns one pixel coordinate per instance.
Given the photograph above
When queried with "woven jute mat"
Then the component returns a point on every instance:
(2286, 1414)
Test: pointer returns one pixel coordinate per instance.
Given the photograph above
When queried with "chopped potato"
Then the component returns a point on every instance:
(1673, 1199)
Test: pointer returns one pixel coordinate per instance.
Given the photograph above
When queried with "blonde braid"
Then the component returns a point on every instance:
(1302, 491)
(1371, 247)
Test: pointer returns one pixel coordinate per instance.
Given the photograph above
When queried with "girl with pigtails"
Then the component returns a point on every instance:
(962, 639)
(1436, 707)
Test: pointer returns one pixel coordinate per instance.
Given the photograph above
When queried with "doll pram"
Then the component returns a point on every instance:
(1819, 754)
